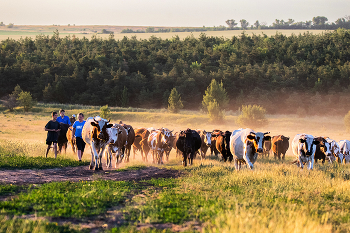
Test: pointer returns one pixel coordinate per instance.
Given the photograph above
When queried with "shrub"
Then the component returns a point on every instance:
(105, 112)
(347, 121)
(175, 103)
(25, 100)
(252, 116)
(214, 112)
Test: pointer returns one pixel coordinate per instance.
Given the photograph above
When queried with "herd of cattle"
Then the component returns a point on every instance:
(241, 146)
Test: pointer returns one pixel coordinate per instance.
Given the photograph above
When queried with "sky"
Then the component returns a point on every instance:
(175, 13)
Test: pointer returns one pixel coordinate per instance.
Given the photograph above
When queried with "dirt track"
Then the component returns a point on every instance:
(30, 176)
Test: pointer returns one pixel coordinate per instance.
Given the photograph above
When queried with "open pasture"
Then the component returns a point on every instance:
(209, 196)
(22, 31)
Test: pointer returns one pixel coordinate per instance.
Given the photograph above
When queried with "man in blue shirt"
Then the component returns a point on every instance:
(63, 119)
(77, 133)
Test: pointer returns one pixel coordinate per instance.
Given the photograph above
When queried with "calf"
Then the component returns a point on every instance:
(223, 146)
(323, 150)
(188, 143)
(71, 140)
(205, 141)
(97, 134)
(344, 146)
(245, 144)
(280, 145)
(335, 150)
(304, 148)
(267, 148)
(157, 144)
(141, 142)
(118, 146)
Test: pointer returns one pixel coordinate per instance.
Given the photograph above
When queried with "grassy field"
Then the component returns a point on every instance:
(210, 196)
(88, 31)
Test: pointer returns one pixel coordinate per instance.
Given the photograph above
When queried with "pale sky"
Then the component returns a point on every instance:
(175, 13)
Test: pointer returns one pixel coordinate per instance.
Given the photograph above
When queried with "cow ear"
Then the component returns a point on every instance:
(302, 140)
(251, 137)
(109, 126)
(119, 132)
(94, 123)
(267, 138)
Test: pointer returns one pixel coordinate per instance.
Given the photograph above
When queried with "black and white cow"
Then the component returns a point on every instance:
(245, 144)
(304, 148)
(323, 150)
(344, 147)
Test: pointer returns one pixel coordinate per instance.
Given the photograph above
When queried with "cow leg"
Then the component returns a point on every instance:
(92, 159)
(246, 158)
(284, 156)
(184, 162)
(301, 162)
(311, 163)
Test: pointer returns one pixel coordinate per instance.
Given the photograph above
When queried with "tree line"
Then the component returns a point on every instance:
(304, 74)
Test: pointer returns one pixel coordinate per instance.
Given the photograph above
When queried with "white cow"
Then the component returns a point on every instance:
(157, 143)
(304, 148)
(245, 144)
(97, 134)
(335, 149)
(118, 147)
(344, 147)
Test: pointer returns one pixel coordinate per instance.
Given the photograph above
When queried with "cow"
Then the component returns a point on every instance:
(214, 135)
(97, 134)
(304, 148)
(335, 150)
(118, 146)
(141, 142)
(71, 140)
(188, 143)
(267, 148)
(130, 140)
(206, 142)
(72, 119)
(245, 144)
(62, 138)
(344, 146)
(223, 146)
(170, 138)
(279, 146)
(157, 144)
(323, 150)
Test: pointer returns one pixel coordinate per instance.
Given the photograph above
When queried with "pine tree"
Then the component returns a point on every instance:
(175, 103)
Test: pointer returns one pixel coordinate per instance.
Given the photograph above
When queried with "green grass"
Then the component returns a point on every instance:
(25, 162)
(68, 199)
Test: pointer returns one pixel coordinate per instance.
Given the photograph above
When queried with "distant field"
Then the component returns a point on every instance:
(88, 31)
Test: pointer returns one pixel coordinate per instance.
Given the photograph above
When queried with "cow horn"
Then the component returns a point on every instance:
(95, 120)
(252, 133)
(266, 133)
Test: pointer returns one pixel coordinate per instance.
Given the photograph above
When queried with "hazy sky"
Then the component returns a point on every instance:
(165, 12)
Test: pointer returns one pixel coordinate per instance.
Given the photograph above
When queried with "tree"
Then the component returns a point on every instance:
(244, 23)
(215, 99)
(175, 103)
(10, 25)
(2, 24)
(105, 112)
(252, 116)
(257, 24)
(9, 102)
(319, 21)
(124, 99)
(25, 100)
(231, 23)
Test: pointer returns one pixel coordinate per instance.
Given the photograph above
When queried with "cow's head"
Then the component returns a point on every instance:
(227, 137)
(258, 140)
(325, 147)
(101, 125)
(308, 142)
(207, 137)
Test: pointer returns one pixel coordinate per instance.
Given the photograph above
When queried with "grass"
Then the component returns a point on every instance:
(69, 199)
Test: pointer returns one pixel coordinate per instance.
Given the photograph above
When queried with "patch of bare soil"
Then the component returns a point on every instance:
(82, 173)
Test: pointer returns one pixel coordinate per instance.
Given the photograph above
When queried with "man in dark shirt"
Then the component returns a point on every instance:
(53, 127)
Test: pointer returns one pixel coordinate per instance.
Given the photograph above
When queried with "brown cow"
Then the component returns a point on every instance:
(214, 135)
(280, 145)
(223, 146)
(157, 144)
(118, 146)
(130, 141)
(206, 141)
(69, 137)
(141, 142)
(267, 148)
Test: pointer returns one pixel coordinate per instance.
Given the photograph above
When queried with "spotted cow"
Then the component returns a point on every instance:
(304, 148)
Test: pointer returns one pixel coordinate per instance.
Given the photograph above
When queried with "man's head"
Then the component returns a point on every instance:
(54, 115)
(62, 112)
(81, 116)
